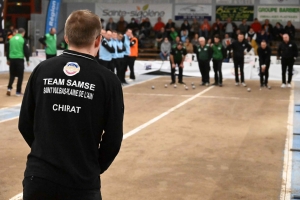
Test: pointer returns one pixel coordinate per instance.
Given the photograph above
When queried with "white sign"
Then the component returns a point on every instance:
(193, 11)
(235, 2)
(194, 1)
(137, 11)
(282, 2)
(279, 13)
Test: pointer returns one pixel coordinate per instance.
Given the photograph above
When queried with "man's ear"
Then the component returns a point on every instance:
(98, 41)
(66, 39)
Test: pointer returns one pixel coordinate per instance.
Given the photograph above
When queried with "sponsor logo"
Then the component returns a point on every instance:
(71, 69)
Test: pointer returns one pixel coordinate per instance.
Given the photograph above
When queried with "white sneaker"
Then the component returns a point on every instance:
(237, 84)
(289, 85)
(283, 85)
(244, 84)
(206, 84)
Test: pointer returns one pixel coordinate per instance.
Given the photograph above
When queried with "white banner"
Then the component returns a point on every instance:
(235, 2)
(189, 11)
(137, 11)
(194, 1)
(279, 13)
(282, 2)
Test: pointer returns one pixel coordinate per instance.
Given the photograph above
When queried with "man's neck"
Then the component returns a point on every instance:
(82, 50)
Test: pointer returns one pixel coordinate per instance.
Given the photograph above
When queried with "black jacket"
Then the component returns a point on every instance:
(71, 107)
(239, 48)
(287, 50)
(264, 55)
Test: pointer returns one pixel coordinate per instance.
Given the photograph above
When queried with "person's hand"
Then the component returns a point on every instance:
(28, 63)
(173, 65)
(8, 62)
(181, 65)
(295, 58)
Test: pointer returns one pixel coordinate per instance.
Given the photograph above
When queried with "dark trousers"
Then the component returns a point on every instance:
(105, 63)
(130, 63)
(217, 65)
(287, 64)
(50, 56)
(239, 63)
(114, 64)
(204, 70)
(180, 69)
(121, 69)
(35, 188)
(264, 76)
(16, 69)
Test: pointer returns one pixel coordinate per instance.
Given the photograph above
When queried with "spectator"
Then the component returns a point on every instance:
(195, 40)
(184, 35)
(159, 24)
(111, 25)
(217, 27)
(165, 49)
(290, 29)
(251, 35)
(278, 32)
(227, 40)
(121, 25)
(205, 28)
(262, 36)
(244, 27)
(185, 26)
(256, 26)
(133, 25)
(145, 28)
(14, 32)
(103, 22)
(195, 27)
(159, 37)
(168, 26)
(9, 32)
(188, 46)
(229, 27)
(268, 27)
(175, 43)
(173, 34)
(237, 32)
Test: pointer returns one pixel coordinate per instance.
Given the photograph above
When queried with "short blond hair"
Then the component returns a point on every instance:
(82, 28)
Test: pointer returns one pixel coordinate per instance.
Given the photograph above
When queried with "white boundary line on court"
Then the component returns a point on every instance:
(139, 128)
(285, 193)
(137, 83)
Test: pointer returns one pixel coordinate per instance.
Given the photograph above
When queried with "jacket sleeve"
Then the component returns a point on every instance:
(133, 42)
(295, 50)
(7, 51)
(42, 40)
(279, 51)
(113, 130)
(249, 47)
(26, 50)
(110, 49)
(26, 118)
(210, 53)
(224, 53)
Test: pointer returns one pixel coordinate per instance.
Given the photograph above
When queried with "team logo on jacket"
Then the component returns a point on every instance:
(71, 68)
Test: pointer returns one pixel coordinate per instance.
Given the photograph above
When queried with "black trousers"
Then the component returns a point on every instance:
(264, 76)
(16, 69)
(180, 69)
(35, 188)
(50, 56)
(217, 65)
(130, 63)
(121, 69)
(287, 64)
(113, 65)
(204, 70)
(239, 63)
(105, 63)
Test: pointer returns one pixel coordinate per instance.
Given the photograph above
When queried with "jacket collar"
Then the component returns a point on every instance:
(75, 53)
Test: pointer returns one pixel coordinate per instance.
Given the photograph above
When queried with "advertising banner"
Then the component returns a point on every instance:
(235, 2)
(52, 15)
(137, 11)
(193, 11)
(236, 13)
(282, 2)
(279, 13)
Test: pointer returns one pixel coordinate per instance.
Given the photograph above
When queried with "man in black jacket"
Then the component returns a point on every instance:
(288, 52)
(264, 55)
(239, 48)
(71, 117)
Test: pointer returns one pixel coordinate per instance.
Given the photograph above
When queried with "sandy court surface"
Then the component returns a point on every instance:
(226, 143)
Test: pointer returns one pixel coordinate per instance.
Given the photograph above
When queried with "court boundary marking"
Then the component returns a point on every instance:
(285, 193)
